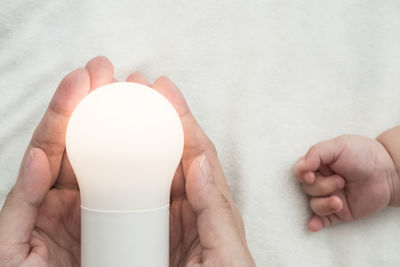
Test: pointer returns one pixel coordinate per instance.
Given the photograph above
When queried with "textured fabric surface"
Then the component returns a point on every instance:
(265, 79)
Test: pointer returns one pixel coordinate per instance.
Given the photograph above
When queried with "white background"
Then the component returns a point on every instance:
(265, 79)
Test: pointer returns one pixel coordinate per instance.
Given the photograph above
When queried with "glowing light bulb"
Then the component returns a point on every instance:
(124, 142)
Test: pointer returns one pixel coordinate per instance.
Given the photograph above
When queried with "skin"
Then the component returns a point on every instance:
(349, 177)
(40, 219)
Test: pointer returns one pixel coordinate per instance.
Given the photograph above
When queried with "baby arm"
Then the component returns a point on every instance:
(390, 139)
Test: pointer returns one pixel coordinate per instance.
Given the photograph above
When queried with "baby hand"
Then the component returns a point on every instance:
(347, 178)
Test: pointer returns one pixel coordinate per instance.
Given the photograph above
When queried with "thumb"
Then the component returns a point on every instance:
(215, 220)
(20, 209)
(318, 157)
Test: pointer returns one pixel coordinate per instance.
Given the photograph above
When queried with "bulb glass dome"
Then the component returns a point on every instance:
(124, 142)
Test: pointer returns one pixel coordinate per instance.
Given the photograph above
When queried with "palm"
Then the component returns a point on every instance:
(362, 163)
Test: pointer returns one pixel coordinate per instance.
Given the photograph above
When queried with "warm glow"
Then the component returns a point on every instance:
(124, 142)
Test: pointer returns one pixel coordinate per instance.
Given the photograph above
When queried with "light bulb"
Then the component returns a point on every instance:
(124, 142)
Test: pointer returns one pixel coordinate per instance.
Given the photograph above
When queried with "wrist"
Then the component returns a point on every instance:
(391, 143)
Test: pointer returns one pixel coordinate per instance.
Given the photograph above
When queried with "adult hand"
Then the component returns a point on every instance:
(205, 226)
(40, 219)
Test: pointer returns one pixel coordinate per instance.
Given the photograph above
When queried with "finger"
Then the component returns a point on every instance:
(298, 173)
(138, 77)
(196, 142)
(317, 222)
(306, 177)
(326, 205)
(20, 209)
(320, 155)
(101, 72)
(216, 225)
(50, 133)
(301, 175)
(324, 185)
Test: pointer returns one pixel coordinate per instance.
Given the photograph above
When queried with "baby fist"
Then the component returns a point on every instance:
(347, 178)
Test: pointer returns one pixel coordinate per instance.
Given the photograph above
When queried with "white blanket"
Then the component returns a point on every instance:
(265, 79)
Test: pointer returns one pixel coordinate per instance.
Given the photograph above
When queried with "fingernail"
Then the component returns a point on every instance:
(309, 177)
(205, 171)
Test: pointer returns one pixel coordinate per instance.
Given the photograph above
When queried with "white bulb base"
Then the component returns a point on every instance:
(125, 238)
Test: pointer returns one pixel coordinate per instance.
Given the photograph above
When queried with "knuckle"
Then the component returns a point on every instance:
(205, 145)
(212, 146)
(223, 202)
(344, 136)
(343, 139)
(52, 148)
(11, 196)
(313, 149)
